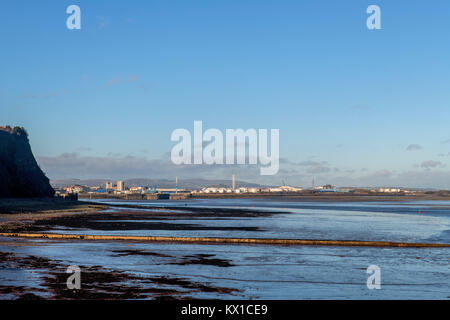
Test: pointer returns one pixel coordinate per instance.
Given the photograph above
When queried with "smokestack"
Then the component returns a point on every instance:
(233, 179)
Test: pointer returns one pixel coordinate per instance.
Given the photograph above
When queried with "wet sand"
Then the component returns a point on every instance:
(19, 214)
(45, 206)
(98, 282)
(35, 268)
(129, 270)
(103, 283)
(96, 216)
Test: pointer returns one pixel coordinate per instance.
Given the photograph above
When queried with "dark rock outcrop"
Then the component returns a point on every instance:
(20, 175)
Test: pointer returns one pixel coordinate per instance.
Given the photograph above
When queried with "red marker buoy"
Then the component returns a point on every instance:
(420, 211)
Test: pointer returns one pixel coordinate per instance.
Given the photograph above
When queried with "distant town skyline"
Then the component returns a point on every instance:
(355, 107)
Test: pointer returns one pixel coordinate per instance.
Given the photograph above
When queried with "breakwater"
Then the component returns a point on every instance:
(210, 240)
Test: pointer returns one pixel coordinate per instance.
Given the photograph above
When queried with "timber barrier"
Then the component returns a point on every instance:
(208, 240)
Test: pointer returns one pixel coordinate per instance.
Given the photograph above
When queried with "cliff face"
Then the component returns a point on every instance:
(20, 175)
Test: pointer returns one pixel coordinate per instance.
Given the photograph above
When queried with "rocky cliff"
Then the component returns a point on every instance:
(20, 175)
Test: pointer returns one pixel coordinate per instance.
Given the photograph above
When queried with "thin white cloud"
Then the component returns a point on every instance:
(133, 78)
(113, 81)
(431, 164)
(414, 146)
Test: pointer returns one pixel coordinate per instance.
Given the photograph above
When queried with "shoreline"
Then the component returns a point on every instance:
(38, 216)
(45, 228)
(323, 197)
(332, 197)
(22, 213)
(75, 214)
(9, 206)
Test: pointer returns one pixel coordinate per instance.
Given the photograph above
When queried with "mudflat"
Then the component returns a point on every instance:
(44, 205)
(34, 268)
(15, 213)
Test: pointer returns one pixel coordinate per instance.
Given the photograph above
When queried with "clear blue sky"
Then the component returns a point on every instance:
(349, 102)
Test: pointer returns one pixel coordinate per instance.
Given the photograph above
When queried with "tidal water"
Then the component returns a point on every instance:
(271, 272)
(333, 221)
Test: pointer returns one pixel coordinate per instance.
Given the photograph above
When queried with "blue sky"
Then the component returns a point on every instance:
(102, 101)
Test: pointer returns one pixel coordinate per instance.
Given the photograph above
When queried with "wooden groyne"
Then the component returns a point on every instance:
(208, 240)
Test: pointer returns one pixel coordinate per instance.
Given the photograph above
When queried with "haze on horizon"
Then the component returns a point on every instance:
(354, 107)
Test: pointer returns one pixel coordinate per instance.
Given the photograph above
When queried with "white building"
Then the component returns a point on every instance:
(391, 190)
(120, 186)
(74, 189)
(290, 189)
(136, 189)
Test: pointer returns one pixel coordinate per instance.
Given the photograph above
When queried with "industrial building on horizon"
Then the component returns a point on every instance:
(119, 188)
